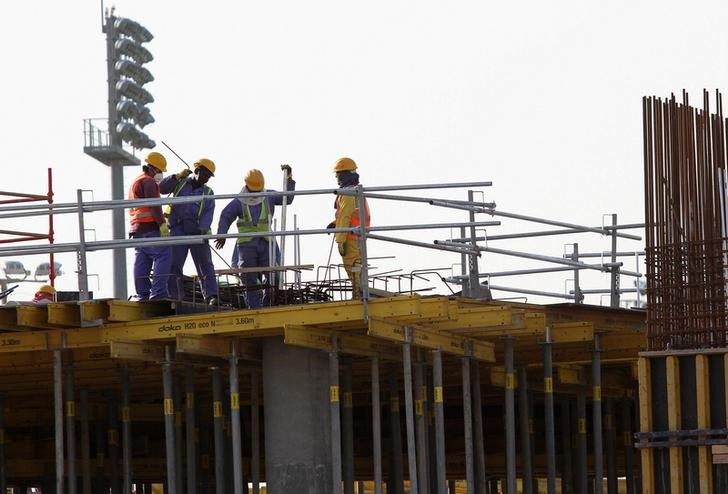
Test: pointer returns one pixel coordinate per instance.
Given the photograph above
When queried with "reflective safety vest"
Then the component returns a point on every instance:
(355, 215)
(206, 191)
(141, 214)
(245, 222)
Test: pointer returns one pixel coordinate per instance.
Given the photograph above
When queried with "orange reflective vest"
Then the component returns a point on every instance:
(142, 214)
(355, 214)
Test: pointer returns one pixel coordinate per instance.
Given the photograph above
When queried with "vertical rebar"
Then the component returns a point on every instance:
(58, 416)
(548, 403)
(510, 417)
(190, 426)
(235, 420)
(335, 416)
(347, 435)
(597, 416)
(523, 425)
(218, 432)
(409, 417)
(255, 431)
(125, 429)
(376, 426)
(439, 421)
(169, 421)
(70, 424)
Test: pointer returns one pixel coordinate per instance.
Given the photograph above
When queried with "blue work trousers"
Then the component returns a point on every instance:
(146, 260)
(203, 263)
(253, 254)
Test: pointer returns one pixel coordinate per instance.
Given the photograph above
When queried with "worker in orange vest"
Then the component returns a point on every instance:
(348, 214)
(145, 223)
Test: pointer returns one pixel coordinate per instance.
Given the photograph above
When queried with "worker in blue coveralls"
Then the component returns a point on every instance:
(192, 218)
(254, 214)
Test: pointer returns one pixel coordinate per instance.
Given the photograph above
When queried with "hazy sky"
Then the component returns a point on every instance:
(541, 98)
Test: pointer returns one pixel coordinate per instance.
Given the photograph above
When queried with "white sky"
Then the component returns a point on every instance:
(542, 98)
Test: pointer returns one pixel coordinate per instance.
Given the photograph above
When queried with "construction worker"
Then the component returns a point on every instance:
(348, 214)
(46, 294)
(254, 214)
(193, 218)
(146, 222)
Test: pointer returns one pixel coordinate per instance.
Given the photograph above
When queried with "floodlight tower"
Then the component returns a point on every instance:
(128, 113)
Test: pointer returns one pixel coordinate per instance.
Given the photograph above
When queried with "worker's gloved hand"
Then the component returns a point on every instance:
(164, 229)
(342, 249)
(183, 173)
(331, 225)
(288, 169)
(219, 243)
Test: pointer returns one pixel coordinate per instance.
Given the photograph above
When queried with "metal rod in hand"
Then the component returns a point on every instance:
(177, 155)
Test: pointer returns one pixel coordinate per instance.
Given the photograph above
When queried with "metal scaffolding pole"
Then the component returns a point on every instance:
(582, 472)
(70, 425)
(597, 416)
(335, 417)
(510, 418)
(468, 424)
(235, 418)
(178, 435)
(610, 446)
(395, 482)
(58, 418)
(376, 427)
(100, 484)
(218, 425)
(125, 430)
(548, 390)
(3, 466)
(420, 424)
(347, 435)
(523, 421)
(85, 444)
(409, 417)
(567, 476)
(614, 274)
(439, 421)
(190, 424)
(254, 432)
(480, 486)
(628, 453)
(169, 421)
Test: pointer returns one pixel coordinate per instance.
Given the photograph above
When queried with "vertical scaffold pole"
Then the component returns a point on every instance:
(468, 424)
(190, 425)
(420, 425)
(335, 417)
(254, 432)
(347, 435)
(439, 421)
(217, 425)
(597, 416)
(169, 421)
(178, 434)
(548, 390)
(523, 422)
(85, 444)
(125, 429)
(58, 416)
(113, 441)
(480, 486)
(235, 418)
(71, 424)
(376, 427)
(610, 445)
(628, 453)
(409, 417)
(510, 418)
(3, 469)
(582, 481)
(567, 476)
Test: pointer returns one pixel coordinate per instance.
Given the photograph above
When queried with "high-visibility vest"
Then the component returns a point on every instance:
(141, 214)
(206, 191)
(355, 215)
(245, 222)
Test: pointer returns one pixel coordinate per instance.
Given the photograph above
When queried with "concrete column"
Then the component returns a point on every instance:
(297, 445)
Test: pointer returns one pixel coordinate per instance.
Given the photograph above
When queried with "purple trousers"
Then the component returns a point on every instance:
(203, 263)
(148, 260)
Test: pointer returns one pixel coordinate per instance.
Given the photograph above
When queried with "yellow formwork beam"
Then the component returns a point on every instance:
(122, 310)
(136, 350)
(320, 339)
(210, 346)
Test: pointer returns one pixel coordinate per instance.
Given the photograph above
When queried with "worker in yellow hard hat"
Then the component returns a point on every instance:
(349, 214)
(46, 294)
(146, 222)
(192, 218)
(254, 214)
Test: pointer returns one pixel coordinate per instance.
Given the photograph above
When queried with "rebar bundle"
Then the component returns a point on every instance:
(685, 157)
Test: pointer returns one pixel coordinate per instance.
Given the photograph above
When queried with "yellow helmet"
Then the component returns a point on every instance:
(48, 289)
(344, 164)
(157, 161)
(254, 180)
(205, 163)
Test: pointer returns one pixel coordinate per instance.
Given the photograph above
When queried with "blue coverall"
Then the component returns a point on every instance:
(189, 219)
(254, 252)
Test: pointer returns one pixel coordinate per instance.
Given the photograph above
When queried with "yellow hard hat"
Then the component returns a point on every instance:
(254, 180)
(344, 164)
(157, 161)
(205, 163)
(48, 289)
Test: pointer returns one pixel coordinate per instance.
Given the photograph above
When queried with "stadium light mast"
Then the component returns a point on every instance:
(128, 114)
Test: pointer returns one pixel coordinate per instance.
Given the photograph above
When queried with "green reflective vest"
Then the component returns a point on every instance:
(245, 222)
